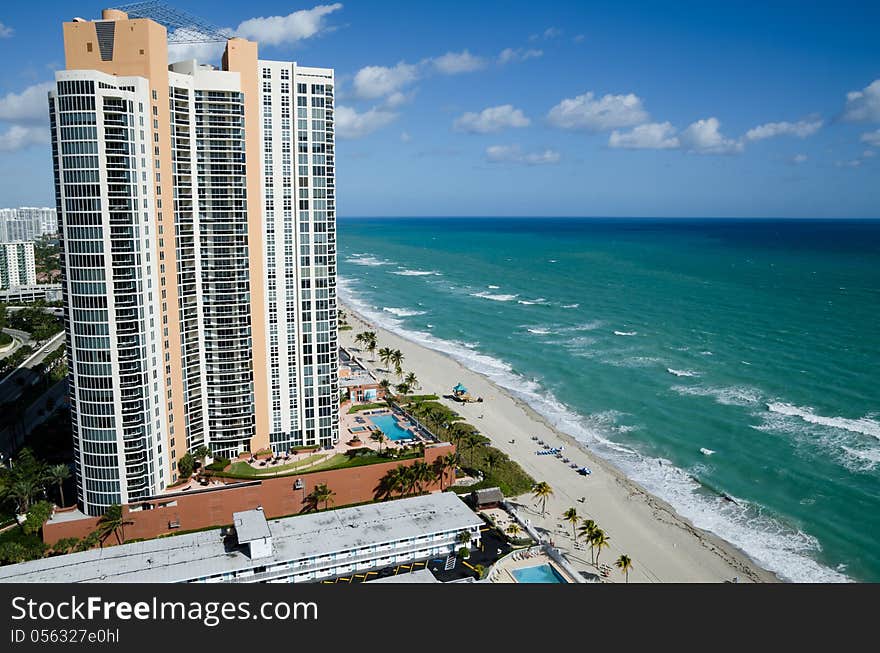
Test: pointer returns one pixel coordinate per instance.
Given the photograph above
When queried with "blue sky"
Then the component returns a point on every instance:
(547, 109)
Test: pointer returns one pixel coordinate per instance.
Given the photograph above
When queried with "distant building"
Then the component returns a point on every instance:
(27, 223)
(48, 292)
(301, 549)
(17, 265)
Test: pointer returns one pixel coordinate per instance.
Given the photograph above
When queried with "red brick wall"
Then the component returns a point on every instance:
(276, 496)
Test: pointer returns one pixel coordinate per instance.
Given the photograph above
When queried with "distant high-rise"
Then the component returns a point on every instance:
(27, 223)
(199, 269)
(17, 265)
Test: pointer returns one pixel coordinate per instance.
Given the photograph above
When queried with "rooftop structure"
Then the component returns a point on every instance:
(304, 548)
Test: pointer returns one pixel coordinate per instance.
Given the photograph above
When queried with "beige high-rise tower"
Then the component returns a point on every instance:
(199, 271)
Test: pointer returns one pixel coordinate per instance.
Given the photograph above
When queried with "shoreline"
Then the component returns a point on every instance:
(665, 546)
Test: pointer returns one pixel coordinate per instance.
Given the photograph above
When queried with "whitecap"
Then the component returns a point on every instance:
(415, 273)
(570, 305)
(682, 372)
(494, 298)
(706, 452)
(707, 353)
(493, 287)
(532, 302)
(625, 333)
(539, 331)
(727, 396)
(401, 312)
(864, 425)
(369, 261)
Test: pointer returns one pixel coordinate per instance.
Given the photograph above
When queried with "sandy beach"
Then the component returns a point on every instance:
(664, 546)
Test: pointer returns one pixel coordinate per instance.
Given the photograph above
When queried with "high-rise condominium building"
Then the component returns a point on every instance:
(198, 213)
(27, 223)
(17, 265)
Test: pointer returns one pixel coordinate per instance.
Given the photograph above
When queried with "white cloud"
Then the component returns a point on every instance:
(5, 32)
(351, 125)
(869, 154)
(202, 52)
(514, 154)
(854, 163)
(280, 30)
(579, 38)
(872, 138)
(549, 33)
(29, 106)
(864, 105)
(492, 119)
(398, 99)
(511, 55)
(801, 129)
(405, 137)
(372, 82)
(650, 136)
(608, 112)
(797, 159)
(268, 30)
(454, 63)
(18, 137)
(705, 137)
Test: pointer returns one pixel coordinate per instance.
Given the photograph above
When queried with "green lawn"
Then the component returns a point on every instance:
(337, 461)
(360, 407)
(243, 468)
(5, 339)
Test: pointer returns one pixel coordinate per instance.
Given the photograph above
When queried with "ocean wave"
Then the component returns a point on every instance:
(862, 460)
(682, 372)
(625, 333)
(367, 260)
(401, 312)
(706, 353)
(539, 332)
(864, 425)
(771, 543)
(493, 287)
(570, 305)
(494, 298)
(415, 273)
(531, 302)
(727, 396)
(634, 361)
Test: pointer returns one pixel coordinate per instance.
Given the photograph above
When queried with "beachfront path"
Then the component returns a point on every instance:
(663, 546)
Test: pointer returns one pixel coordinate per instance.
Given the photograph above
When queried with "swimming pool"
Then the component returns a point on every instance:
(538, 574)
(358, 429)
(388, 425)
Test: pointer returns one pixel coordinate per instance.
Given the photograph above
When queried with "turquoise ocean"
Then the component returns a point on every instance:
(730, 367)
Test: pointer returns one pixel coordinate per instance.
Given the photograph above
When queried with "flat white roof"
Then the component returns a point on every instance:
(184, 557)
(250, 525)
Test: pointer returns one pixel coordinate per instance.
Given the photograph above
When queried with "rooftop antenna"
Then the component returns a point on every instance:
(182, 26)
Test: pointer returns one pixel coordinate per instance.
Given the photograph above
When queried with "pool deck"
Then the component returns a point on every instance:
(348, 422)
(504, 570)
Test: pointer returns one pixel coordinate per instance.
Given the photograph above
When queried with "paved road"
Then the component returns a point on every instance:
(10, 387)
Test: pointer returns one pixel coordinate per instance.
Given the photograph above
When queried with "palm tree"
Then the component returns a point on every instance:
(385, 385)
(403, 388)
(385, 355)
(319, 494)
(111, 522)
(378, 436)
(493, 457)
(599, 540)
(586, 530)
(443, 464)
(624, 563)
(397, 360)
(360, 337)
(371, 343)
(542, 491)
(412, 381)
(58, 474)
(513, 530)
(463, 538)
(22, 491)
(571, 516)
(422, 474)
